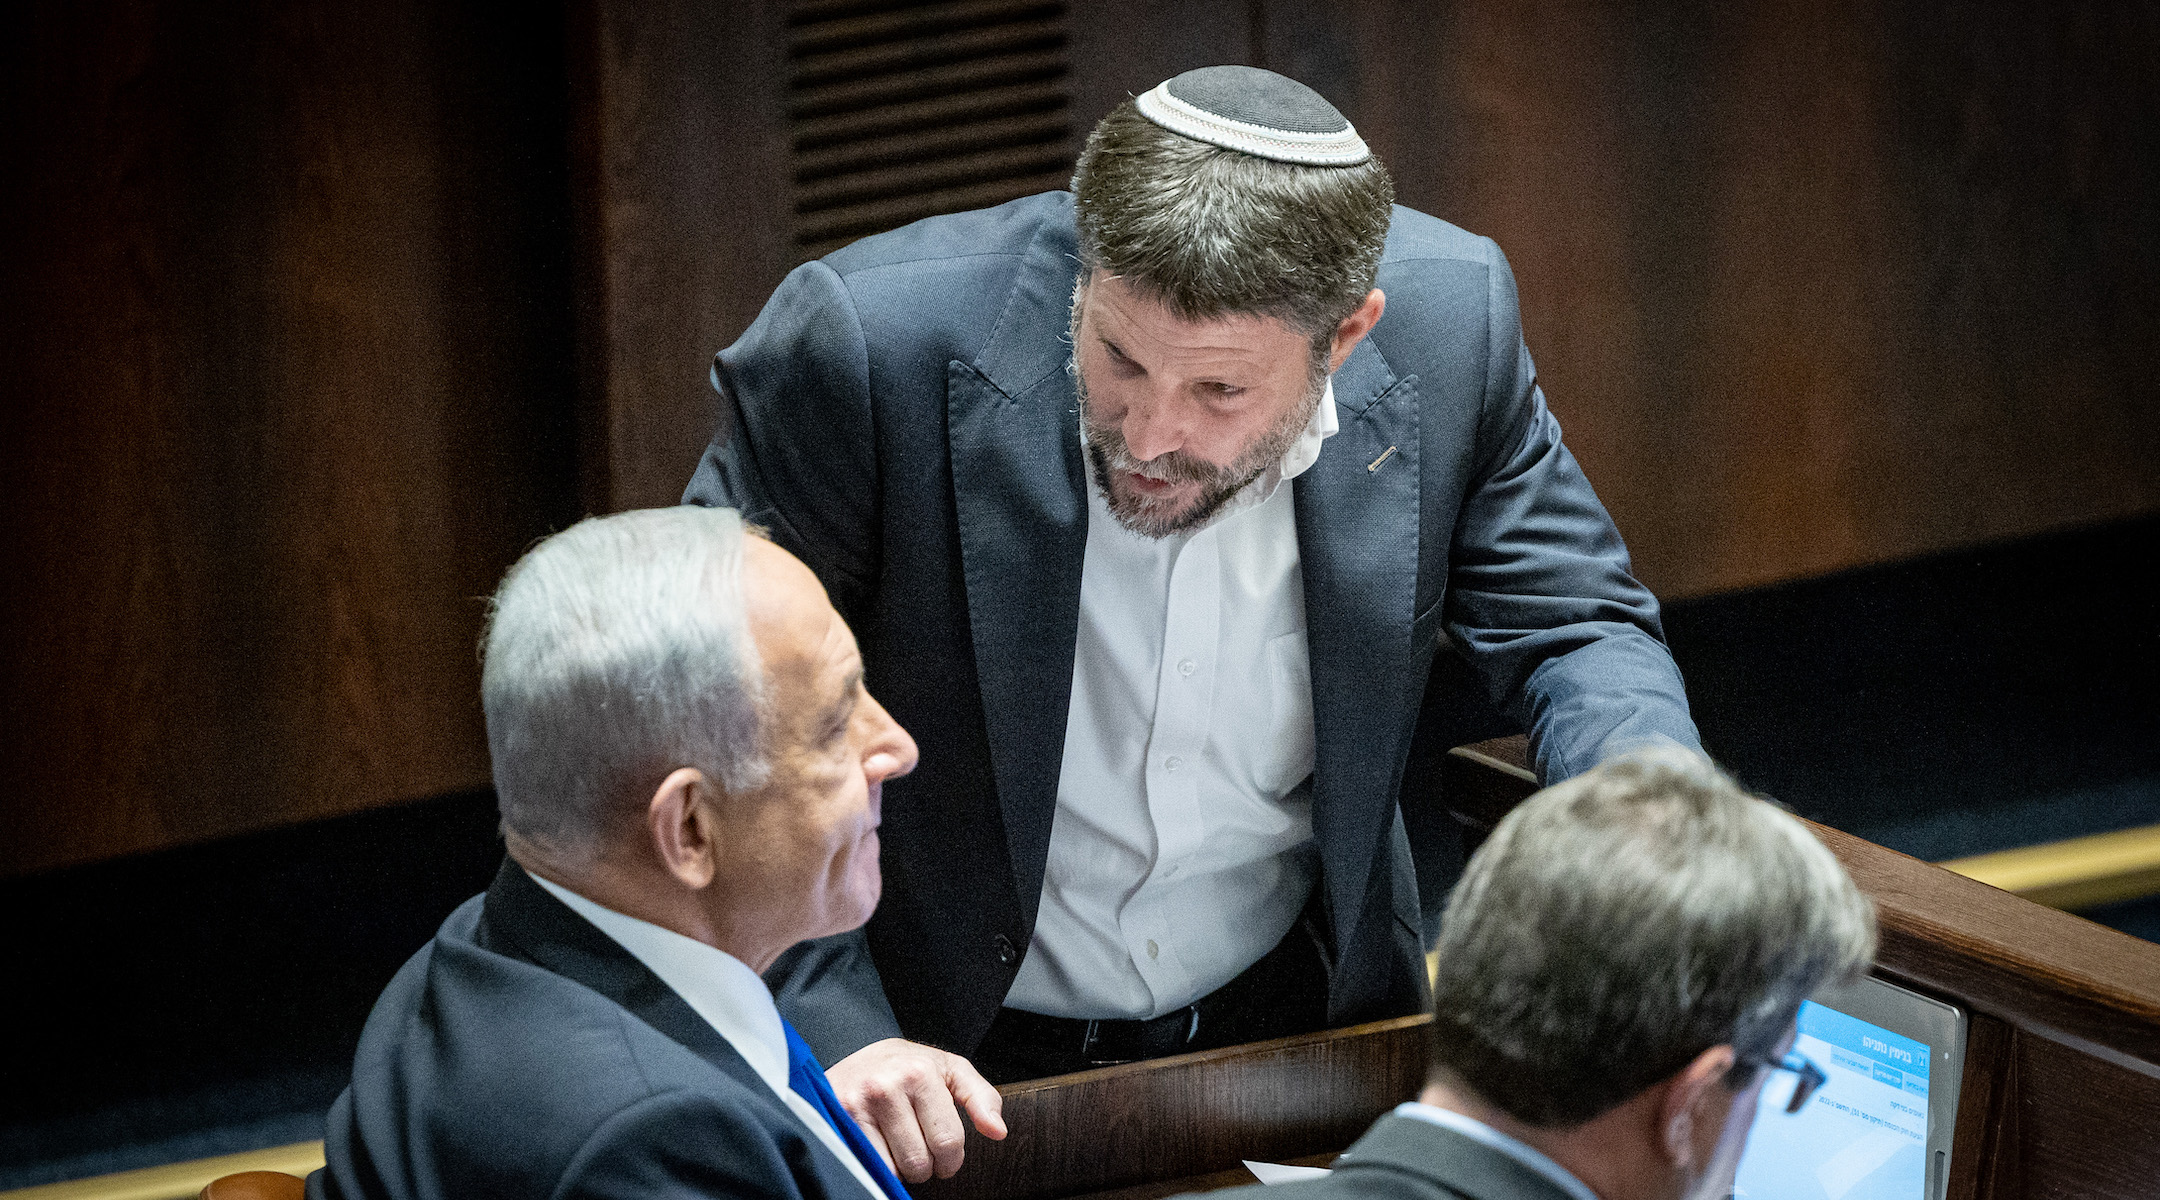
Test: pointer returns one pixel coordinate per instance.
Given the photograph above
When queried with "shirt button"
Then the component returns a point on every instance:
(1005, 952)
(1153, 950)
(1172, 763)
(1186, 666)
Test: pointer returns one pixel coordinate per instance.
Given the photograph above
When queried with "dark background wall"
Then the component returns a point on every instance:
(288, 332)
(1811, 284)
(316, 315)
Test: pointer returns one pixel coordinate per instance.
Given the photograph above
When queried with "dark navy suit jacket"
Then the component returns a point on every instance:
(523, 1053)
(901, 418)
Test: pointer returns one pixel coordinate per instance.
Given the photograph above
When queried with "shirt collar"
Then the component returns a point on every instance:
(1479, 1131)
(1300, 457)
(715, 984)
(1305, 451)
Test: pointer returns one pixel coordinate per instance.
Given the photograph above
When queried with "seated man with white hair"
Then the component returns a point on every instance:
(688, 767)
(1619, 973)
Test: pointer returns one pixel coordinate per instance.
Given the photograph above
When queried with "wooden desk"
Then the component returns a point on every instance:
(1123, 1131)
(2062, 1075)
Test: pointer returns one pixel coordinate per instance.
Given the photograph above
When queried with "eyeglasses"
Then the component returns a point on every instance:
(1805, 1077)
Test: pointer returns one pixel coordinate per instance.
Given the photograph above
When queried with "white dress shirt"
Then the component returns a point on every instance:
(729, 995)
(1181, 850)
(1479, 1131)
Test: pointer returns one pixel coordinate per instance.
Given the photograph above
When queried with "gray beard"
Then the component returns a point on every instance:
(1108, 453)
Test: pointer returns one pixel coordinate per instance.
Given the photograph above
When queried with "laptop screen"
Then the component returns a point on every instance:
(1862, 1136)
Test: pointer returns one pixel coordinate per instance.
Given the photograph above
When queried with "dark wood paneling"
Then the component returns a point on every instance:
(1982, 1154)
(2085, 1125)
(1810, 285)
(287, 315)
(683, 220)
(1121, 48)
(1192, 1114)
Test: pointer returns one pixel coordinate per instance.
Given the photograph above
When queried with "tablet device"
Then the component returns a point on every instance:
(1879, 1126)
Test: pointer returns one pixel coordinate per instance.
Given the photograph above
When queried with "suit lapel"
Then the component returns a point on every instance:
(1357, 525)
(1019, 493)
(520, 919)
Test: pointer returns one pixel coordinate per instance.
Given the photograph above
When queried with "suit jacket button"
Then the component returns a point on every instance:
(1005, 952)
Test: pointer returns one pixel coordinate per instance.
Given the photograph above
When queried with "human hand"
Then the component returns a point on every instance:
(907, 1097)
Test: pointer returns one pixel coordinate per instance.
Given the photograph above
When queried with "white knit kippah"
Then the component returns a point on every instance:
(1255, 112)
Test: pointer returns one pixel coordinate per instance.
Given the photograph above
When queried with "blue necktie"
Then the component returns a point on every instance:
(807, 1078)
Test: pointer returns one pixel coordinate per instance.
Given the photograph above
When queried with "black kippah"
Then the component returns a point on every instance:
(1255, 112)
(1255, 97)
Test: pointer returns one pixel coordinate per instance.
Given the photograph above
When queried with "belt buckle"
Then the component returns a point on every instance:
(1139, 1046)
(1089, 1039)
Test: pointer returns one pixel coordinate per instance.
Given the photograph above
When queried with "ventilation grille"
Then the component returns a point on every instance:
(902, 111)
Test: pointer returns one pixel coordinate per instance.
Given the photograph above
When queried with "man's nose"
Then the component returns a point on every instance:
(1152, 428)
(890, 751)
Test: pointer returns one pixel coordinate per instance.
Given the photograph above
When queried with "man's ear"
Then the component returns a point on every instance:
(680, 822)
(1695, 1098)
(1355, 326)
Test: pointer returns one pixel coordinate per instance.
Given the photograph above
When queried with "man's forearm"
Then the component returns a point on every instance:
(1613, 694)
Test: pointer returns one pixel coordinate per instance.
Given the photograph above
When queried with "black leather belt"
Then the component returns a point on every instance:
(1284, 993)
(1106, 1042)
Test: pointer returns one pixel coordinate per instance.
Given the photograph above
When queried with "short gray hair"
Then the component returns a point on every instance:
(617, 651)
(1617, 925)
(1210, 232)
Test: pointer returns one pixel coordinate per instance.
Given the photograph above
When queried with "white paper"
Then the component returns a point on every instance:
(1274, 1173)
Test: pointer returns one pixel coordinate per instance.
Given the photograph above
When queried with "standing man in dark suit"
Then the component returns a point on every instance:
(1620, 969)
(689, 770)
(1154, 505)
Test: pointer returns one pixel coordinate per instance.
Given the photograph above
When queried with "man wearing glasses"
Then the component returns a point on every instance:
(1620, 969)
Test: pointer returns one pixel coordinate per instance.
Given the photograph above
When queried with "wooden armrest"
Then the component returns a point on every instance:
(1481, 782)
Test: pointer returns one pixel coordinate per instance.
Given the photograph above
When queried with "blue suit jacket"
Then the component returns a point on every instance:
(524, 1053)
(901, 418)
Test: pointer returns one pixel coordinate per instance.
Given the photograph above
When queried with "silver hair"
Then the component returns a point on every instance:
(617, 651)
(1615, 926)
